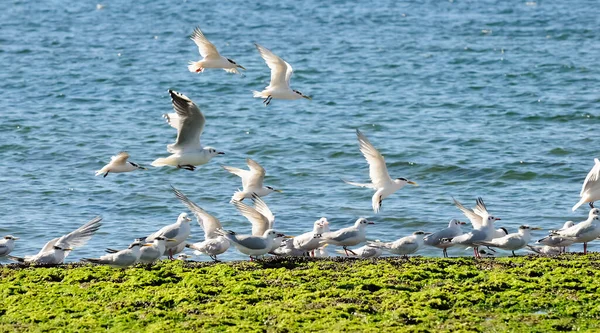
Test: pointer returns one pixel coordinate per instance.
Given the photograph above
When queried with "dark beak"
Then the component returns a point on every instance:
(221, 153)
(370, 222)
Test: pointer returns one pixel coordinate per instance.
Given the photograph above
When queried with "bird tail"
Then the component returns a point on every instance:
(259, 94)
(367, 185)
(92, 260)
(159, 162)
(19, 259)
(195, 67)
(577, 205)
(101, 171)
(109, 250)
(238, 196)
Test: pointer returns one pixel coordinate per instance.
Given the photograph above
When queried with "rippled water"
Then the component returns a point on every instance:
(494, 98)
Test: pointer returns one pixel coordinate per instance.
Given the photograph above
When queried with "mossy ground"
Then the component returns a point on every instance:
(528, 294)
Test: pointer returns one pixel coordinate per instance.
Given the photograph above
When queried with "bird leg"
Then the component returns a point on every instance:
(106, 174)
(171, 254)
(251, 259)
(313, 253)
(348, 250)
(187, 167)
(214, 258)
(514, 255)
(445, 252)
(584, 248)
(267, 100)
(476, 253)
(200, 70)
(592, 204)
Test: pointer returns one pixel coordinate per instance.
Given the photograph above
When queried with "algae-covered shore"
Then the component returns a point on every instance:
(529, 294)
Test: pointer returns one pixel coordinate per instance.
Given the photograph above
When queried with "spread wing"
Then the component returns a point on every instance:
(281, 71)
(76, 238)
(263, 209)
(591, 180)
(260, 223)
(256, 175)
(208, 222)
(480, 208)
(475, 219)
(207, 49)
(377, 168)
(120, 158)
(190, 123)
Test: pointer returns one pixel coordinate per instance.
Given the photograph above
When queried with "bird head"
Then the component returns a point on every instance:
(11, 237)
(212, 152)
(362, 223)
(270, 188)
(236, 65)
(404, 181)
(183, 217)
(302, 95)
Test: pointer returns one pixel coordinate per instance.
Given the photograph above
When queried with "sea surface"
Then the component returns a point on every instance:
(498, 99)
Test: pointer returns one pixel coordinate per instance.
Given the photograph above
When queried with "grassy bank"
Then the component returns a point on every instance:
(421, 294)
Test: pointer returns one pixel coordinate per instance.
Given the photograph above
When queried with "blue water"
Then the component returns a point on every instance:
(497, 99)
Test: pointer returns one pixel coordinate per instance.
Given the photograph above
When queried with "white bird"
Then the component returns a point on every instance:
(213, 244)
(546, 250)
(187, 151)
(585, 231)
(250, 245)
(365, 252)
(252, 181)
(210, 56)
(435, 239)
(483, 226)
(349, 236)
(149, 253)
(512, 242)
(590, 191)
(120, 259)
(118, 164)
(310, 241)
(322, 252)
(403, 246)
(57, 249)
(260, 215)
(381, 181)
(183, 257)
(560, 242)
(287, 249)
(281, 72)
(178, 232)
(7, 244)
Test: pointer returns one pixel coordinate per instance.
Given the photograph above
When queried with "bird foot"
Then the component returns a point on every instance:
(200, 70)
(348, 250)
(187, 167)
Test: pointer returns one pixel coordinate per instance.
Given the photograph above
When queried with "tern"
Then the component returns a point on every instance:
(210, 56)
(435, 239)
(120, 259)
(7, 244)
(512, 242)
(381, 181)
(590, 191)
(349, 236)
(251, 245)
(281, 72)
(365, 252)
(483, 226)
(177, 232)
(252, 181)
(403, 246)
(118, 164)
(187, 152)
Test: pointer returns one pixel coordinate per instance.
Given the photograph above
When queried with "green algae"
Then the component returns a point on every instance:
(528, 294)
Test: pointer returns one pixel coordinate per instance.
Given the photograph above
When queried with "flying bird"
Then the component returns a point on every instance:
(381, 181)
(187, 152)
(281, 72)
(252, 181)
(118, 164)
(590, 191)
(210, 56)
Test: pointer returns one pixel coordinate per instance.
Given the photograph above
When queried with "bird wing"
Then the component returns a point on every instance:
(480, 208)
(4, 249)
(208, 222)
(190, 123)
(207, 49)
(256, 175)
(263, 209)
(341, 235)
(249, 242)
(475, 219)
(377, 169)
(120, 158)
(281, 71)
(591, 180)
(80, 236)
(436, 237)
(168, 231)
(260, 223)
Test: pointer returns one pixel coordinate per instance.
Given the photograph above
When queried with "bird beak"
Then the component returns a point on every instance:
(427, 233)
(370, 222)
(284, 236)
(462, 223)
(242, 67)
(307, 97)
(412, 183)
(537, 228)
(221, 153)
(16, 238)
(143, 168)
(147, 244)
(171, 240)
(68, 249)
(278, 191)
(498, 219)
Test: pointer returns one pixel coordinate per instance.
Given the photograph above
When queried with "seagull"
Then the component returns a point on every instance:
(213, 243)
(7, 244)
(310, 241)
(260, 216)
(287, 249)
(381, 181)
(183, 257)
(590, 191)
(120, 259)
(57, 249)
(281, 72)
(349, 236)
(187, 152)
(403, 246)
(149, 253)
(178, 232)
(118, 164)
(560, 242)
(483, 226)
(251, 245)
(365, 252)
(322, 252)
(252, 181)
(512, 242)
(435, 239)
(585, 231)
(546, 250)
(210, 56)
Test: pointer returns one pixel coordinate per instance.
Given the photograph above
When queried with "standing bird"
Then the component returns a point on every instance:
(118, 164)
(403, 246)
(178, 232)
(349, 236)
(512, 242)
(56, 250)
(483, 226)
(149, 253)
(213, 243)
(252, 181)
(381, 181)
(7, 244)
(590, 191)
(251, 245)
(585, 231)
(310, 241)
(435, 239)
(187, 152)
(210, 56)
(281, 72)
(365, 252)
(120, 259)
(559, 242)
(260, 216)
(287, 249)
